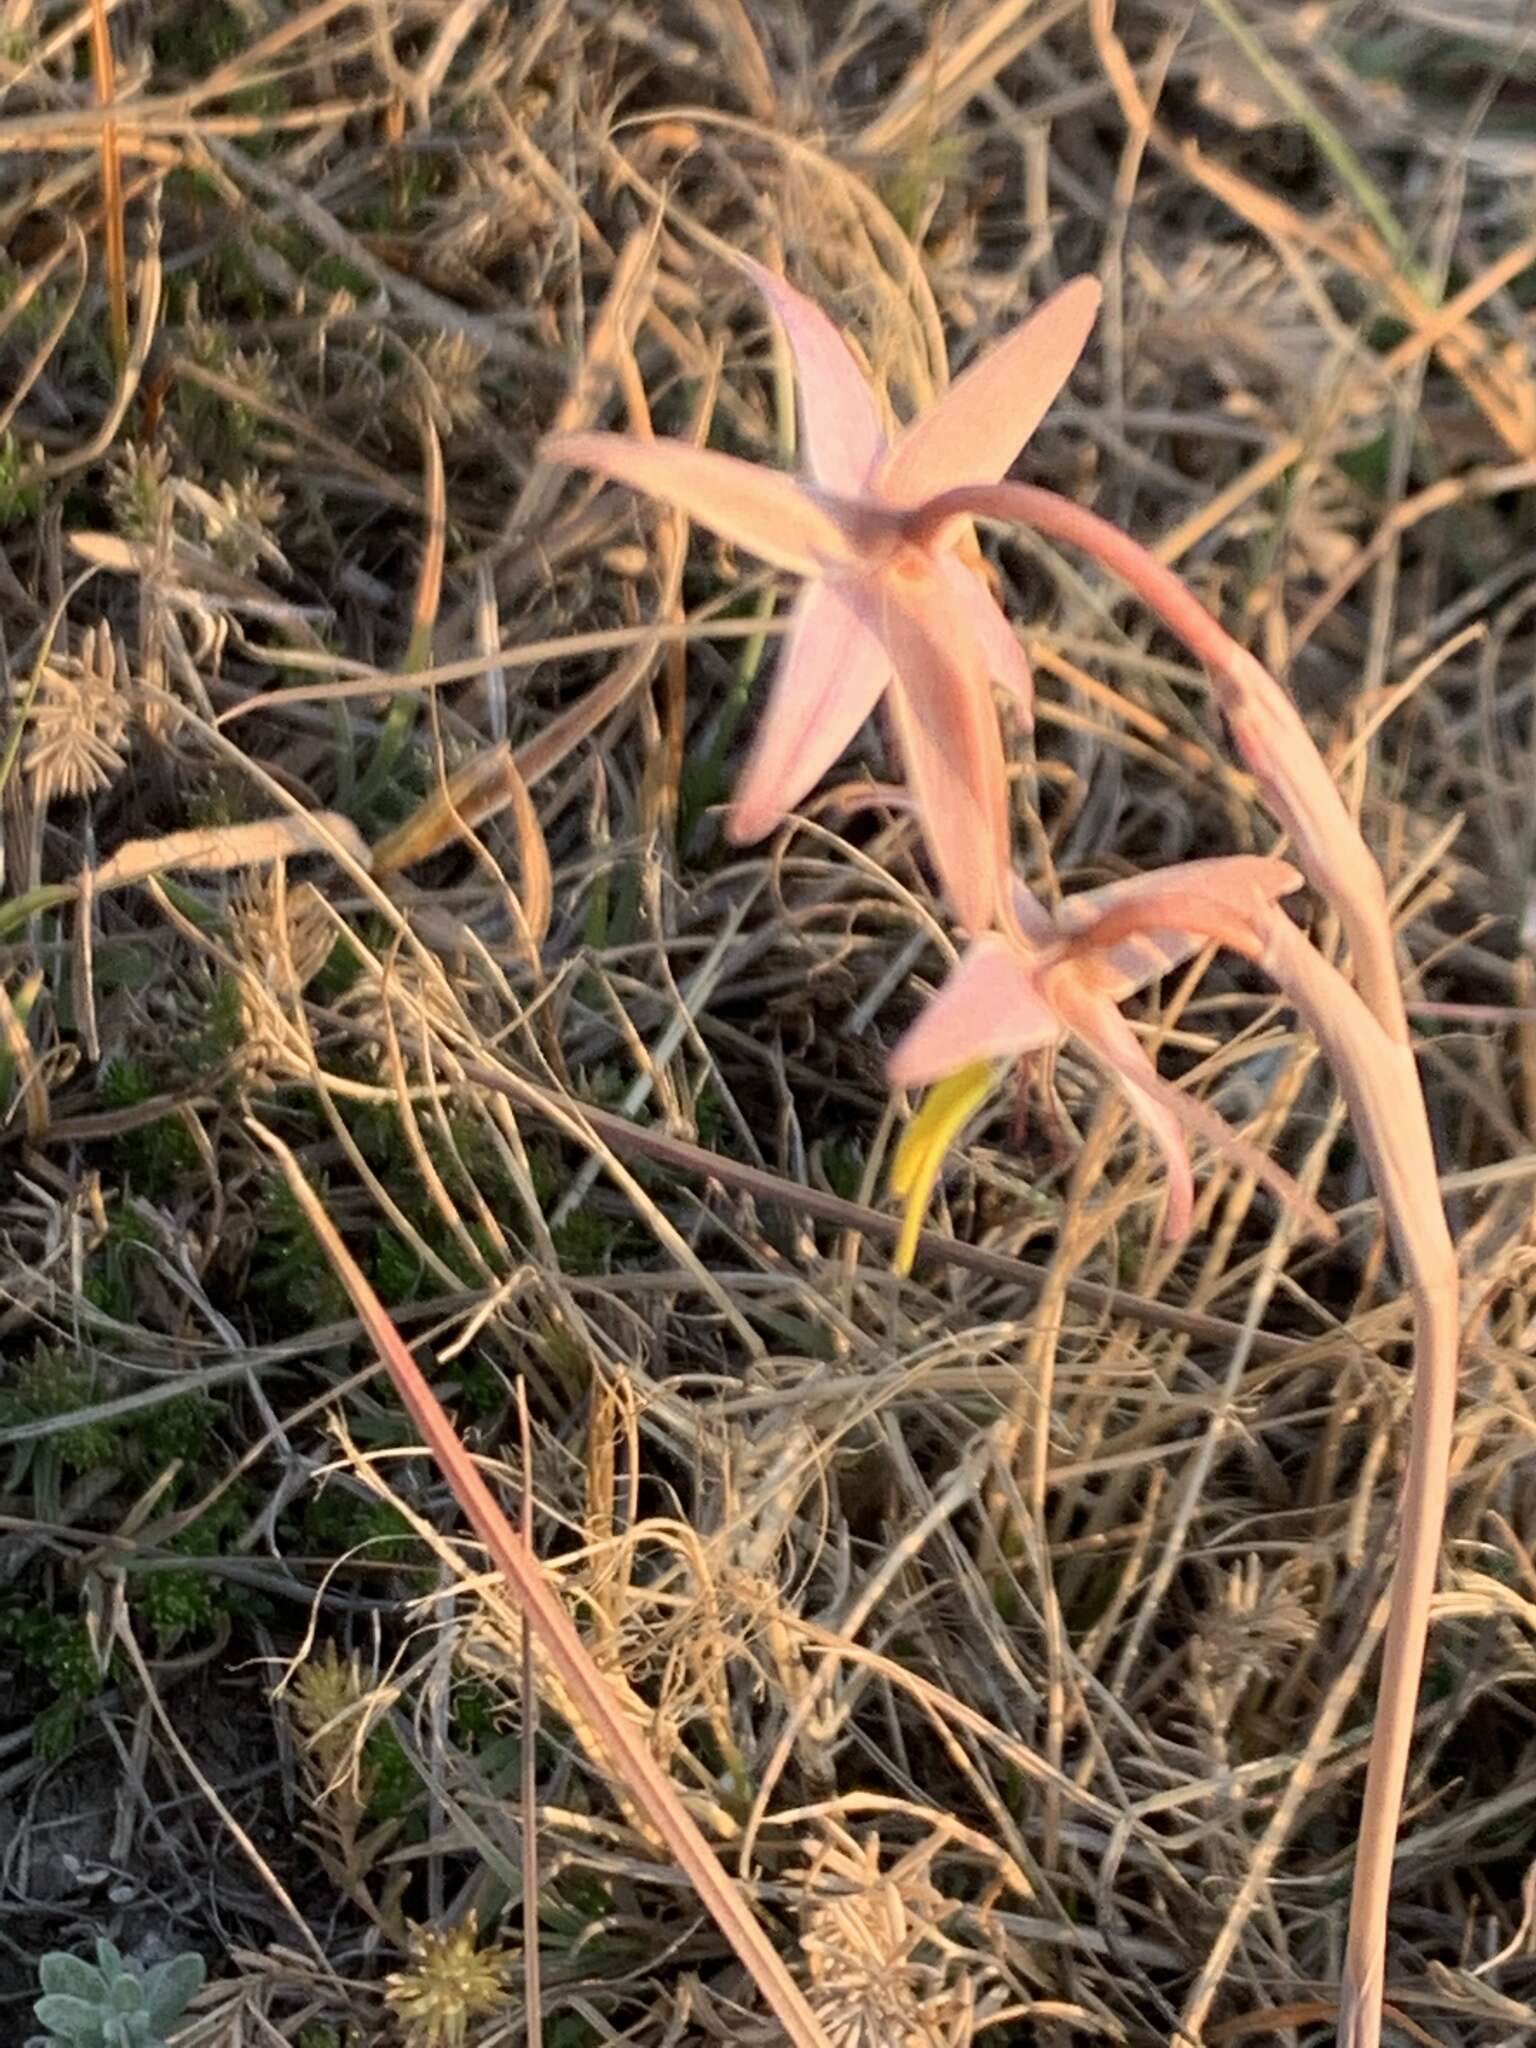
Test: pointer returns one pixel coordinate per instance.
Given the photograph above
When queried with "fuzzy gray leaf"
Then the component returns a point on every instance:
(69, 1976)
(71, 2019)
(169, 1986)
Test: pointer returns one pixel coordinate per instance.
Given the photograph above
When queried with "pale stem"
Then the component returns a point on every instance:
(1366, 1039)
(1380, 1083)
(617, 1739)
(1265, 724)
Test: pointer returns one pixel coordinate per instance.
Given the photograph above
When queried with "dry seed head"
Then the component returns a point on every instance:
(397, 992)
(281, 936)
(136, 484)
(878, 1969)
(1258, 1625)
(496, 213)
(450, 1983)
(321, 1697)
(276, 924)
(1323, 515)
(79, 719)
(452, 365)
(255, 372)
(250, 509)
(1238, 317)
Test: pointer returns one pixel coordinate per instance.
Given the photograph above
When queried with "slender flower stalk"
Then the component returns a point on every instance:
(1366, 1039)
(1000, 1001)
(597, 1714)
(1380, 1083)
(884, 612)
(891, 609)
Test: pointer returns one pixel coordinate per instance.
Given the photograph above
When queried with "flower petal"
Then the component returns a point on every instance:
(1165, 1112)
(996, 641)
(829, 678)
(976, 430)
(951, 749)
(1031, 915)
(1233, 892)
(840, 431)
(920, 1155)
(990, 1008)
(1117, 1050)
(758, 508)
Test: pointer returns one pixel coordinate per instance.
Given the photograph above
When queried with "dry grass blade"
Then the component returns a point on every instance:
(537, 902)
(943, 79)
(625, 1751)
(149, 284)
(476, 790)
(130, 1646)
(1330, 140)
(473, 793)
(544, 750)
(1449, 319)
(218, 848)
(679, 1153)
(74, 243)
(24, 1073)
(111, 183)
(1502, 388)
(429, 581)
(192, 567)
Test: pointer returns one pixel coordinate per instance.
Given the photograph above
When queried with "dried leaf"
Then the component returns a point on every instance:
(220, 847)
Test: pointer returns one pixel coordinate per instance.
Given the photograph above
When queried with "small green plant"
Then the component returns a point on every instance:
(336, 1521)
(158, 1155)
(177, 1428)
(57, 1665)
(290, 1270)
(111, 2003)
(136, 486)
(21, 494)
(54, 1383)
(215, 1028)
(110, 1279)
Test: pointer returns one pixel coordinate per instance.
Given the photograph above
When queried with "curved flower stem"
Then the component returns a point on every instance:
(1365, 1037)
(1266, 726)
(1381, 1085)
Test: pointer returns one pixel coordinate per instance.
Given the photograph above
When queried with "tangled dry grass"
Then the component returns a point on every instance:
(1008, 1630)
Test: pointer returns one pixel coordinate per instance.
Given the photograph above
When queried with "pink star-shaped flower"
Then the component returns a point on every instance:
(881, 613)
(1019, 992)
